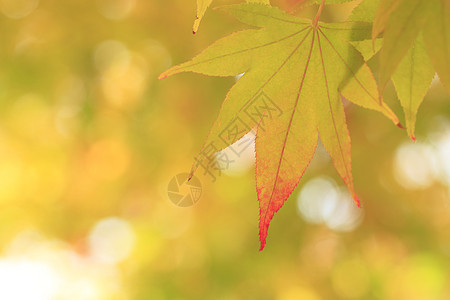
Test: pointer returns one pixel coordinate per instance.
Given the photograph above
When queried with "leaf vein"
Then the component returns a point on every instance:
(289, 126)
(242, 51)
(332, 114)
(348, 67)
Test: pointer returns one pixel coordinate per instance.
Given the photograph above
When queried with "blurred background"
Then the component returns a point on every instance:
(90, 139)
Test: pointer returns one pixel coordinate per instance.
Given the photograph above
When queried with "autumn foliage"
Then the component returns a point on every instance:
(302, 69)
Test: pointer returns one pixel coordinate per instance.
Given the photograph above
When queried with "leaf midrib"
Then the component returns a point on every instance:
(242, 51)
(289, 126)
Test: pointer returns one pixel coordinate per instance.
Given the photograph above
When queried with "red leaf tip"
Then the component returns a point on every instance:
(356, 199)
(162, 76)
(413, 138)
(263, 236)
(399, 125)
(263, 244)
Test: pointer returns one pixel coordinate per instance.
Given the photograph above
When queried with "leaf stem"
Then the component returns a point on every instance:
(319, 12)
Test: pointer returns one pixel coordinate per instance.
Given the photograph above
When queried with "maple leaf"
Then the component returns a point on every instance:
(295, 73)
(413, 75)
(402, 22)
(411, 79)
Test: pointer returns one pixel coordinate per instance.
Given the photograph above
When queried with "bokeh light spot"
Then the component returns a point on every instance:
(35, 268)
(415, 166)
(111, 240)
(22, 279)
(321, 201)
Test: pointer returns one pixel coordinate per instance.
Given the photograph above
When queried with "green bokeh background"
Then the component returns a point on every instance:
(88, 133)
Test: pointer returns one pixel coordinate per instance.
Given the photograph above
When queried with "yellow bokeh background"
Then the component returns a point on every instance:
(90, 139)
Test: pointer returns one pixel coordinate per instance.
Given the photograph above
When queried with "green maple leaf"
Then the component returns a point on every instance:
(202, 6)
(413, 75)
(411, 79)
(402, 22)
(295, 73)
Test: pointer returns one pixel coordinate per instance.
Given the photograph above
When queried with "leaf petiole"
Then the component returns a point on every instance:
(319, 12)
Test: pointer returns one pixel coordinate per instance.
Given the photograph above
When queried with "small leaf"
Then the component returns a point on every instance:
(412, 79)
(402, 28)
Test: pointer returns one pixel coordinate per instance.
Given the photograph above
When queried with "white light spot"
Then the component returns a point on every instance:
(314, 198)
(436, 80)
(239, 76)
(24, 279)
(345, 216)
(34, 268)
(321, 201)
(415, 166)
(111, 240)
